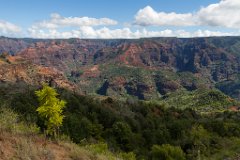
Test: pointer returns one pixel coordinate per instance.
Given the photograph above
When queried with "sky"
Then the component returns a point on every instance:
(108, 19)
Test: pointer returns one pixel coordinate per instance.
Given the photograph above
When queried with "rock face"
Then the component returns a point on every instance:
(17, 70)
(12, 46)
(144, 68)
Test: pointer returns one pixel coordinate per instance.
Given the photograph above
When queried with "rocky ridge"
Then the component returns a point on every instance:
(143, 68)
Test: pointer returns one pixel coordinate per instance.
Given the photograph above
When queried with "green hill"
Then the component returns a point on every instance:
(21, 140)
(202, 100)
(178, 123)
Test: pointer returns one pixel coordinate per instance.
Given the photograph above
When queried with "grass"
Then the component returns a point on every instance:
(22, 141)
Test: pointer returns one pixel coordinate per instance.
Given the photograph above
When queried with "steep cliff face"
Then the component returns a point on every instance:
(17, 70)
(144, 68)
(12, 46)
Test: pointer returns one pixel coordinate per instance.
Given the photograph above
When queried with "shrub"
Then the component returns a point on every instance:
(10, 121)
(167, 152)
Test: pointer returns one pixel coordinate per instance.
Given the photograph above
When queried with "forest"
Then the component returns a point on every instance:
(147, 129)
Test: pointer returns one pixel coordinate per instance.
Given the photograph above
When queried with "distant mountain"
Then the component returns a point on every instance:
(143, 68)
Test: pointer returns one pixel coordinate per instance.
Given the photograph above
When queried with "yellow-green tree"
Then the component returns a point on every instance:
(50, 109)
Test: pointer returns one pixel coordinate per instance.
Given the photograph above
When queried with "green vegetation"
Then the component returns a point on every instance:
(121, 81)
(9, 121)
(202, 100)
(138, 129)
(50, 109)
(22, 140)
(167, 152)
(230, 87)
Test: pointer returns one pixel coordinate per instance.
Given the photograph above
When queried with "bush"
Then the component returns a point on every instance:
(167, 152)
(10, 121)
(102, 149)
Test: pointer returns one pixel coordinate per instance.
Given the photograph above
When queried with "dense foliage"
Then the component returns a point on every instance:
(22, 141)
(167, 152)
(148, 129)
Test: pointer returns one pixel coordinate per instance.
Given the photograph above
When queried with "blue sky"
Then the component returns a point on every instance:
(119, 19)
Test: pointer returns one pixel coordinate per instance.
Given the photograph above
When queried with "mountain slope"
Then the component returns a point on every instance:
(21, 140)
(14, 69)
(126, 126)
(142, 68)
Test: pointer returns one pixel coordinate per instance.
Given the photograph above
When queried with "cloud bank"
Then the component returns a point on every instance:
(106, 33)
(223, 14)
(218, 17)
(57, 21)
(7, 28)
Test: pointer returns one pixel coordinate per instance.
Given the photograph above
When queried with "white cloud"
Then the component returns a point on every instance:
(223, 14)
(203, 33)
(57, 21)
(8, 29)
(106, 33)
(226, 13)
(147, 16)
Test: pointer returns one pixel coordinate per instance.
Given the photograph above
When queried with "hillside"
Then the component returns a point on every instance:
(20, 141)
(126, 99)
(104, 128)
(141, 68)
(201, 100)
